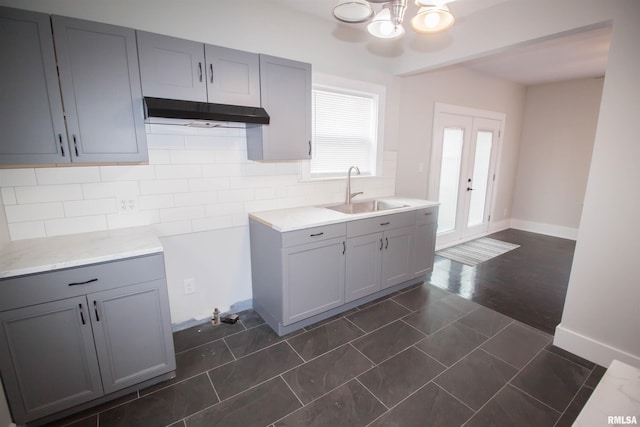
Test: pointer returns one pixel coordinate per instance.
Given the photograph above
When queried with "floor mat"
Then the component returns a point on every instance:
(476, 251)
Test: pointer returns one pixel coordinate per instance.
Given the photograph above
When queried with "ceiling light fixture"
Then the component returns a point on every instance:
(432, 17)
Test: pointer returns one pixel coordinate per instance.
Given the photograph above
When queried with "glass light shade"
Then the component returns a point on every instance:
(352, 11)
(383, 28)
(432, 19)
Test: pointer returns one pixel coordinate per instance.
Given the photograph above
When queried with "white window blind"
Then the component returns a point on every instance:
(344, 130)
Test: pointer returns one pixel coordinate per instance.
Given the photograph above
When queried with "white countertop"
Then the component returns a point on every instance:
(617, 395)
(51, 253)
(291, 219)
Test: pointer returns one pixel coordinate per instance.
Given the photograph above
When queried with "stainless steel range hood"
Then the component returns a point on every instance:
(202, 114)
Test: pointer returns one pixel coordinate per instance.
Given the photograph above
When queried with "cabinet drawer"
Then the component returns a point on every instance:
(427, 215)
(380, 223)
(315, 234)
(60, 284)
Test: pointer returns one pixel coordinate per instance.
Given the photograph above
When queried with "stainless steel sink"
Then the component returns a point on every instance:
(366, 206)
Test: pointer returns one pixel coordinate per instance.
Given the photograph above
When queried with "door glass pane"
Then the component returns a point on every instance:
(450, 178)
(480, 180)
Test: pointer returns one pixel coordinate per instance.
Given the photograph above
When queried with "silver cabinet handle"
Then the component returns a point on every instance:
(200, 71)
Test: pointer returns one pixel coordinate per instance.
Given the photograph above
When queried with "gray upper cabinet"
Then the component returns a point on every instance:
(31, 116)
(285, 88)
(100, 85)
(187, 70)
(171, 67)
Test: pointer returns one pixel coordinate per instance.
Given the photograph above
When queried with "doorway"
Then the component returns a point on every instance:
(464, 156)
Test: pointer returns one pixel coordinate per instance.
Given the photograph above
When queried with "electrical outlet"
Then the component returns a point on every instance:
(189, 286)
(127, 204)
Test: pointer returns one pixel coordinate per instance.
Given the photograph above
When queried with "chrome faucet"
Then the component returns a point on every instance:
(351, 195)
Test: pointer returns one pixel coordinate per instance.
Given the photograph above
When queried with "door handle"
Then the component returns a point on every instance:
(470, 189)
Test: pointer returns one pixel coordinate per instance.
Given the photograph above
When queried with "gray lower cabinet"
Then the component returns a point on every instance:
(297, 274)
(379, 253)
(86, 69)
(425, 240)
(303, 276)
(285, 88)
(73, 336)
(188, 70)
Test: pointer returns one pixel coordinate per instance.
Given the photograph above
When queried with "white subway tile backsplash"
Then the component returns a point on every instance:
(27, 230)
(195, 198)
(75, 175)
(164, 186)
(90, 207)
(59, 227)
(178, 171)
(157, 201)
(8, 196)
(159, 157)
(197, 179)
(222, 169)
(17, 177)
(48, 193)
(192, 157)
(163, 141)
(105, 190)
(34, 212)
(126, 173)
(182, 213)
(208, 184)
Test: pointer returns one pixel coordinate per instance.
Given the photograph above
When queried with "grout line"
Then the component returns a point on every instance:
(365, 332)
(214, 387)
(568, 360)
(294, 393)
(296, 352)
(372, 393)
(540, 401)
(229, 348)
(364, 355)
(470, 408)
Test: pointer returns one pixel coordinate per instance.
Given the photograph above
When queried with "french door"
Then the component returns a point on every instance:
(462, 173)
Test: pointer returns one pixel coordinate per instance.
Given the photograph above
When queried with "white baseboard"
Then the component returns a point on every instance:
(494, 227)
(548, 229)
(591, 349)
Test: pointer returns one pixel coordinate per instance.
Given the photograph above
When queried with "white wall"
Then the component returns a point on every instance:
(467, 88)
(555, 154)
(601, 317)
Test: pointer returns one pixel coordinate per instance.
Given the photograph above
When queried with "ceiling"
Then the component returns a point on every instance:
(576, 55)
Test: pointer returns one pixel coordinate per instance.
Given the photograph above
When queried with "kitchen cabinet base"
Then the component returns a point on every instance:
(101, 400)
(284, 330)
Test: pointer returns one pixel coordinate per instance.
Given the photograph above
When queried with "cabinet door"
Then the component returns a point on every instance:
(47, 358)
(132, 333)
(171, 68)
(31, 115)
(363, 266)
(424, 247)
(313, 277)
(233, 76)
(396, 258)
(100, 83)
(285, 89)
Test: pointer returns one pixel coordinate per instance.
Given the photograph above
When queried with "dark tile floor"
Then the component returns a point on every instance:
(419, 357)
(528, 284)
(437, 359)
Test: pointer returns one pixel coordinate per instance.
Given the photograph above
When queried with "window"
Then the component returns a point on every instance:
(345, 129)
